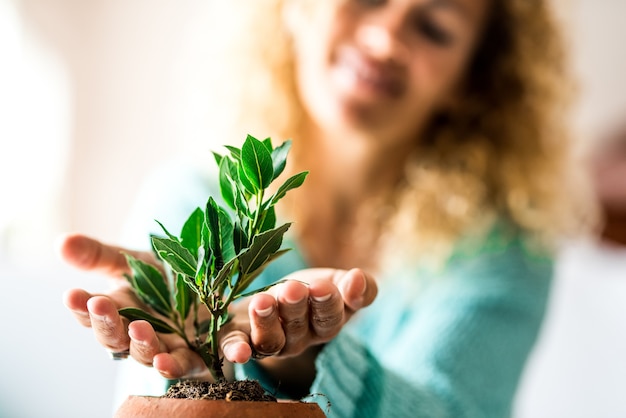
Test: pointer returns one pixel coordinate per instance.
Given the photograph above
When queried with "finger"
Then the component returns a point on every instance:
(109, 327)
(266, 332)
(357, 288)
(89, 254)
(293, 310)
(346, 280)
(144, 342)
(76, 301)
(327, 309)
(236, 346)
(179, 363)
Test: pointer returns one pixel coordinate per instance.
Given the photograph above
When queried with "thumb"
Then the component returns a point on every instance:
(87, 253)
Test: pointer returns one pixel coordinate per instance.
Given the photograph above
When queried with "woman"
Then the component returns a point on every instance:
(433, 134)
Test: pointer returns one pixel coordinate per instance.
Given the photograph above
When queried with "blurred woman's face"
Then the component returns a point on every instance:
(381, 67)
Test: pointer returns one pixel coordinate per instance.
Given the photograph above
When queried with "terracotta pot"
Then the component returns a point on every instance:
(152, 407)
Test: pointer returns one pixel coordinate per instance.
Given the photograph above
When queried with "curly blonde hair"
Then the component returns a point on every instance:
(503, 152)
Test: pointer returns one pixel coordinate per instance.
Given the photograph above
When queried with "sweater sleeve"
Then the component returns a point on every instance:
(351, 382)
(458, 351)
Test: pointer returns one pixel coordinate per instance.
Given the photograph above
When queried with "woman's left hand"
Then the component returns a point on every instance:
(308, 309)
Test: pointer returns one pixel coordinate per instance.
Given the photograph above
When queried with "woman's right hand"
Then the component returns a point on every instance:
(99, 311)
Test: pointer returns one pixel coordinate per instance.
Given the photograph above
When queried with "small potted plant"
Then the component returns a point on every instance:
(207, 267)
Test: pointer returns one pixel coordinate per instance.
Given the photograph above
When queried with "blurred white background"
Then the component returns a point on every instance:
(96, 94)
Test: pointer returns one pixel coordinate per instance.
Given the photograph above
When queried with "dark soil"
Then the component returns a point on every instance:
(243, 390)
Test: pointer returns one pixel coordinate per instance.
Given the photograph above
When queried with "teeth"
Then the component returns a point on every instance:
(355, 69)
(363, 72)
(368, 76)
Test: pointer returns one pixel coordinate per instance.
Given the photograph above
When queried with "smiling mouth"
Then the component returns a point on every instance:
(367, 77)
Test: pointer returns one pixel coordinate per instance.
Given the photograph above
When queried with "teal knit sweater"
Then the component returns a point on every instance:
(447, 345)
(451, 344)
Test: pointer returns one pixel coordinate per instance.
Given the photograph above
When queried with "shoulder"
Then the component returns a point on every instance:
(504, 256)
(500, 261)
(500, 271)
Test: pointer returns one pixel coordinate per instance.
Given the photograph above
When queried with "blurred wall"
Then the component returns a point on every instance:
(135, 94)
(578, 368)
(93, 96)
(35, 122)
(597, 34)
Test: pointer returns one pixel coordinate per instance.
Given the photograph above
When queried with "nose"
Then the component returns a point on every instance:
(381, 37)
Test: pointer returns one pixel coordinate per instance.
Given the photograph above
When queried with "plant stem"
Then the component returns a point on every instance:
(196, 324)
(216, 367)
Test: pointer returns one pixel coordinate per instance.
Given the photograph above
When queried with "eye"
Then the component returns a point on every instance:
(427, 27)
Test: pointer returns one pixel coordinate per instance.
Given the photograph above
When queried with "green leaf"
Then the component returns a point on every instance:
(223, 319)
(170, 235)
(134, 314)
(248, 185)
(218, 158)
(257, 163)
(292, 182)
(212, 221)
(183, 296)
(245, 283)
(240, 239)
(268, 144)
(262, 247)
(259, 290)
(170, 279)
(191, 234)
(237, 172)
(206, 238)
(221, 233)
(149, 285)
(241, 203)
(228, 188)
(205, 259)
(226, 235)
(279, 158)
(178, 257)
(269, 221)
(225, 273)
(234, 152)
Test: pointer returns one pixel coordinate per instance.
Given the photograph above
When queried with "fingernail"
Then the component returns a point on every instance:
(321, 298)
(136, 340)
(226, 351)
(264, 312)
(352, 272)
(364, 284)
(102, 318)
(293, 301)
(81, 313)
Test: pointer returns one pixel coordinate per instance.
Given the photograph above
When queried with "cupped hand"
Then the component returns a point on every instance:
(308, 309)
(167, 352)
